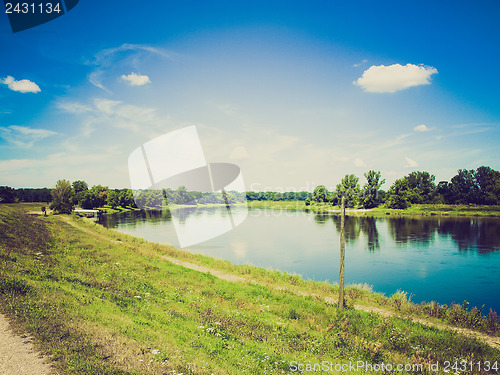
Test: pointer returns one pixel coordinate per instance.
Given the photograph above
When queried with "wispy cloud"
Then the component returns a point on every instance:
(22, 85)
(357, 65)
(124, 56)
(113, 113)
(410, 163)
(23, 136)
(239, 153)
(421, 128)
(462, 130)
(73, 107)
(134, 79)
(396, 77)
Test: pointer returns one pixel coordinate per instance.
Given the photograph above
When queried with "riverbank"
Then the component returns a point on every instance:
(99, 301)
(416, 209)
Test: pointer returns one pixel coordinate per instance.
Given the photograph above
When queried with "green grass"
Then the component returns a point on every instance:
(415, 209)
(101, 302)
(444, 210)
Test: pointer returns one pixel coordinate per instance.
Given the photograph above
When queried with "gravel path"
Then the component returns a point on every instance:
(17, 354)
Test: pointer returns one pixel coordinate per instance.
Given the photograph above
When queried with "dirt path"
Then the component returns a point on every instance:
(17, 354)
(490, 340)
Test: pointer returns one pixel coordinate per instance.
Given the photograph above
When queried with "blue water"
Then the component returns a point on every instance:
(432, 259)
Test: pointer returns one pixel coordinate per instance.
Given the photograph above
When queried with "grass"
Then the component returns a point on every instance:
(415, 209)
(444, 210)
(101, 302)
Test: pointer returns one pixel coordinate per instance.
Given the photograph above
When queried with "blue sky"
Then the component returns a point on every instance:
(295, 93)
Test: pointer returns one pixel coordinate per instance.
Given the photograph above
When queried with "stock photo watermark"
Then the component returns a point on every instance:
(172, 169)
(25, 14)
(431, 367)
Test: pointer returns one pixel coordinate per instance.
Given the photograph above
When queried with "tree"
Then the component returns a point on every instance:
(7, 194)
(320, 194)
(464, 188)
(488, 181)
(444, 194)
(80, 187)
(349, 188)
(398, 195)
(62, 197)
(113, 199)
(88, 199)
(370, 196)
(422, 187)
(127, 198)
(100, 195)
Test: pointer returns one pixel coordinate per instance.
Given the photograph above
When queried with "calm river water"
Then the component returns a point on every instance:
(432, 258)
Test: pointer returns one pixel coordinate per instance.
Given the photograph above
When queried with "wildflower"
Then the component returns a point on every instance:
(155, 351)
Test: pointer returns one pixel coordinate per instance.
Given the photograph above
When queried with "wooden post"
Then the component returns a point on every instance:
(342, 255)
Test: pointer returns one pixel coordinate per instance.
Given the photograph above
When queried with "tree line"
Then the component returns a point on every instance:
(480, 186)
(476, 186)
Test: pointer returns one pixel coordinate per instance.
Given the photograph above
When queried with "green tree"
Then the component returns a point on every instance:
(113, 198)
(349, 188)
(181, 195)
(399, 195)
(422, 187)
(88, 199)
(464, 188)
(7, 194)
(320, 194)
(100, 195)
(127, 198)
(333, 198)
(79, 187)
(370, 196)
(443, 191)
(488, 181)
(62, 197)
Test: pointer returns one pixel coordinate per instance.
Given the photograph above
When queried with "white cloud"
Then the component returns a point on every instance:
(72, 107)
(134, 79)
(360, 163)
(421, 128)
(410, 163)
(105, 112)
(359, 64)
(23, 85)
(126, 56)
(239, 153)
(23, 136)
(392, 78)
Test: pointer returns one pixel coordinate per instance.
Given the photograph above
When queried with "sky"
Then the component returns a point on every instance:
(295, 93)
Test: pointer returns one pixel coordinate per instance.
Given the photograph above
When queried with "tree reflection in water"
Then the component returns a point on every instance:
(481, 234)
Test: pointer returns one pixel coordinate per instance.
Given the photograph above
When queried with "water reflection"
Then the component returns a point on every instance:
(132, 218)
(413, 229)
(356, 226)
(482, 235)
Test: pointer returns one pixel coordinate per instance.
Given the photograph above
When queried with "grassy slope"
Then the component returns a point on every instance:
(103, 302)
